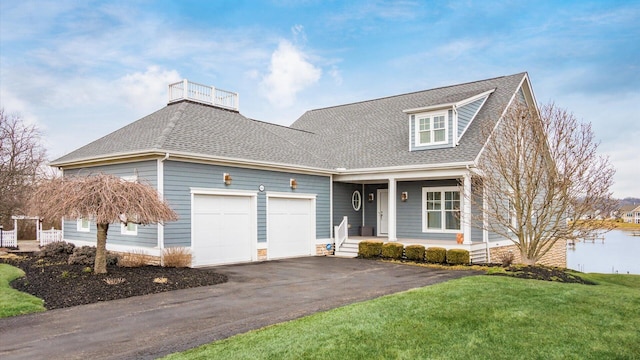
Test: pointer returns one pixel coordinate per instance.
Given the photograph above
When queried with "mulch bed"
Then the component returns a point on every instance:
(61, 285)
(544, 273)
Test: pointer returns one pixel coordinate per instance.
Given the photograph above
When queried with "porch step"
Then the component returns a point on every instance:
(349, 248)
(478, 256)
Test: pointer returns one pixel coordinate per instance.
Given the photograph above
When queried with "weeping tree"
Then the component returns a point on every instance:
(105, 199)
(538, 171)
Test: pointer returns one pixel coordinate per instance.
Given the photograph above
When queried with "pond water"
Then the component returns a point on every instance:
(618, 253)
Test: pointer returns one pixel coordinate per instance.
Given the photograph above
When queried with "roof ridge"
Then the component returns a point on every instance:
(279, 125)
(300, 148)
(416, 92)
(159, 142)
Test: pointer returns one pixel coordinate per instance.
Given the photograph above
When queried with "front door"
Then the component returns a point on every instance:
(383, 201)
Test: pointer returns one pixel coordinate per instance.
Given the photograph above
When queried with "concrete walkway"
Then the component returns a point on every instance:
(257, 295)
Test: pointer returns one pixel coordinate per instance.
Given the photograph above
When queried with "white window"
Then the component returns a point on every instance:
(441, 209)
(83, 225)
(356, 200)
(129, 228)
(431, 129)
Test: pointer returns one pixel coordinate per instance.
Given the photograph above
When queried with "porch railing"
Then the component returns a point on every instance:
(50, 236)
(187, 90)
(8, 238)
(341, 232)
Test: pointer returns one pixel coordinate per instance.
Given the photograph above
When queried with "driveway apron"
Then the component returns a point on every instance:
(256, 295)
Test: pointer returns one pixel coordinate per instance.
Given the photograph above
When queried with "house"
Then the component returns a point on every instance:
(630, 213)
(396, 168)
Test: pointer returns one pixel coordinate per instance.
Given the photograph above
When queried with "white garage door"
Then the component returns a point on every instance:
(291, 227)
(222, 229)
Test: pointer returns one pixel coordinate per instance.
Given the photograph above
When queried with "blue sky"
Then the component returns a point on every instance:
(81, 69)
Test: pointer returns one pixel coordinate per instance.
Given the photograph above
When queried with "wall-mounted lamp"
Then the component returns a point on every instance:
(370, 197)
(293, 183)
(226, 178)
(404, 196)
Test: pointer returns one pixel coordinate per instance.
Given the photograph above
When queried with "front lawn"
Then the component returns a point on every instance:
(14, 302)
(479, 317)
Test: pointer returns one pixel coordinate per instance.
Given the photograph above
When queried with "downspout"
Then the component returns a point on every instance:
(160, 176)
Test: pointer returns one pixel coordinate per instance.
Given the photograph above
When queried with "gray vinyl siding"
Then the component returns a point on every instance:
(476, 219)
(466, 113)
(412, 134)
(409, 213)
(342, 206)
(520, 96)
(180, 177)
(147, 235)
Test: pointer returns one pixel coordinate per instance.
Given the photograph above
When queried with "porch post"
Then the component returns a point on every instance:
(466, 209)
(391, 211)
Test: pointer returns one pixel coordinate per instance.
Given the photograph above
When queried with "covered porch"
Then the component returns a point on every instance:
(429, 208)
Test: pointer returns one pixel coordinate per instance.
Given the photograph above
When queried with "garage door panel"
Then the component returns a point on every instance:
(222, 229)
(290, 227)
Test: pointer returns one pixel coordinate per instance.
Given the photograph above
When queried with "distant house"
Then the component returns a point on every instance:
(397, 168)
(630, 213)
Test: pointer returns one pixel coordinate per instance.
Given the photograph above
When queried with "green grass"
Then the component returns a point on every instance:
(479, 317)
(14, 302)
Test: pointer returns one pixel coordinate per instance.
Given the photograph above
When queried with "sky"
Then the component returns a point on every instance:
(82, 69)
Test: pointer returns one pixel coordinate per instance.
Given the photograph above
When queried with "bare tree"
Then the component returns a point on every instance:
(105, 199)
(537, 170)
(21, 160)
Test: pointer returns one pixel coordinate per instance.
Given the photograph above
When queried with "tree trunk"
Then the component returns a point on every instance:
(526, 260)
(100, 266)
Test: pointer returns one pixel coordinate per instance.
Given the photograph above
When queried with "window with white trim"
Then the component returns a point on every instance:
(431, 128)
(356, 200)
(129, 228)
(83, 225)
(441, 209)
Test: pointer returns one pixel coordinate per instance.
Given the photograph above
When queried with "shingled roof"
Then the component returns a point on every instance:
(368, 134)
(375, 133)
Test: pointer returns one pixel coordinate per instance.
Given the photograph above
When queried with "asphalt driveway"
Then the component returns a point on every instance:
(256, 295)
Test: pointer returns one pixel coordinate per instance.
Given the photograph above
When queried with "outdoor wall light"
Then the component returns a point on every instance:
(370, 197)
(227, 178)
(404, 196)
(293, 183)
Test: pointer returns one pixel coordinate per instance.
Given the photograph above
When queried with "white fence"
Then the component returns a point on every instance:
(188, 90)
(8, 238)
(49, 236)
(341, 232)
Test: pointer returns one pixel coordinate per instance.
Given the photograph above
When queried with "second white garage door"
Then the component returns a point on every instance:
(222, 229)
(290, 227)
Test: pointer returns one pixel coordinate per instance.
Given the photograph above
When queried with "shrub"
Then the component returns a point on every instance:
(134, 258)
(507, 258)
(369, 249)
(86, 255)
(176, 257)
(57, 249)
(392, 250)
(458, 257)
(414, 252)
(436, 255)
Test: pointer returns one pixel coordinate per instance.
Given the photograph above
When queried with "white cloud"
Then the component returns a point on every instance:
(335, 75)
(625, 161)
(289, 73)
(147, 91)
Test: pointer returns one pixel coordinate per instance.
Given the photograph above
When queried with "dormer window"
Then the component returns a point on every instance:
(431, 128)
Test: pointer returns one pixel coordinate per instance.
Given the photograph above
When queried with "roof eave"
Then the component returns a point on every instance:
(186, 156)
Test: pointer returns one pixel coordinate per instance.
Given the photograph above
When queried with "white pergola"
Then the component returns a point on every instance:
(15, 219)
